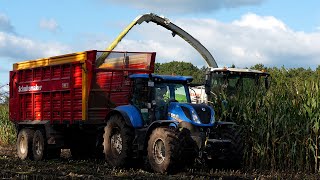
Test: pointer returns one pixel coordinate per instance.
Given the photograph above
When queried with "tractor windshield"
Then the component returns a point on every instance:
(172, 91)
(169, 92)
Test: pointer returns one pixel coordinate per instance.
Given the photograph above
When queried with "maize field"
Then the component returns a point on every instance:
(280, 125)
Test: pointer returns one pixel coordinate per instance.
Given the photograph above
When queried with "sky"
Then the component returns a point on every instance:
(240, 32)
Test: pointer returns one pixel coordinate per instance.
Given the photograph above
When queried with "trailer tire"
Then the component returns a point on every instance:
(163, 150)
(24, 143)
(38, 146)
(117, 142)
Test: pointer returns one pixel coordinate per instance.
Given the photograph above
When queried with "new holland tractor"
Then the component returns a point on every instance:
(162, 124)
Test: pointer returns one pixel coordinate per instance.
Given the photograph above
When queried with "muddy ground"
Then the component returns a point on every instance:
(66, 168)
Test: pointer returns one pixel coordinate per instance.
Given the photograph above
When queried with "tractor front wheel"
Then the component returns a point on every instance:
(163, 150)
(118, 138)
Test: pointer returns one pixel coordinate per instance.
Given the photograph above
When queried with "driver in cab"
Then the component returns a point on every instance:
(161, 101)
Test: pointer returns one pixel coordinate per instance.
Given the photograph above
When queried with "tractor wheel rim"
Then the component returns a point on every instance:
(116, 142)
(159, 151)
(22, 146)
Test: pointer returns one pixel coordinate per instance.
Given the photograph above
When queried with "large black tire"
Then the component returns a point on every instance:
(164, 150)
(24, 144)
(38, 146)
(233, 158)
(117, 142)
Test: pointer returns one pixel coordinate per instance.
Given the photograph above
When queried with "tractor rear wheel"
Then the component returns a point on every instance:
(163, 150)
(24, 143)
(118, 138)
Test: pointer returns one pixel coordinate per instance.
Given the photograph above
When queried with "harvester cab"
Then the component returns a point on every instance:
(234, 80)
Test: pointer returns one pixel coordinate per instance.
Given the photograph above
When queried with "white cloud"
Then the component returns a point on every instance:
(257, 22)
(49, 24)
(244, 42)
(14, 48)
(184, 6)
(5, 24)
(18, 48)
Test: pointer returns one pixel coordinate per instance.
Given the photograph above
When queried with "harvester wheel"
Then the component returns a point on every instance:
(163, 150)
(38, 146)
(118, 138)
(24, 143)
(235, 151)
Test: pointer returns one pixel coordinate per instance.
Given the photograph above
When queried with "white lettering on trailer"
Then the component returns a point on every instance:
(29, 88)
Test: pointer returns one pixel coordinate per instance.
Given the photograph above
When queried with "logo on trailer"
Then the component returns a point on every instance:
(28, 88)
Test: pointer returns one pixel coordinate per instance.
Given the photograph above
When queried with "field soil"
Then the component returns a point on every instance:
(65, 168)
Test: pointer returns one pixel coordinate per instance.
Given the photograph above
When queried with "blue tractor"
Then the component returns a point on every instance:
(162, 126)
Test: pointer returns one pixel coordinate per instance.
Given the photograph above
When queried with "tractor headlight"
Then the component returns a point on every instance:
(195, 117)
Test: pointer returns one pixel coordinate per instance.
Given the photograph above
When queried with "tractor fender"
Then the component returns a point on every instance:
(130, 114)
(156, 124)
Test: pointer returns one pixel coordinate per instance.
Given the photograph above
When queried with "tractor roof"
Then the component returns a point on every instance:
(163, 77)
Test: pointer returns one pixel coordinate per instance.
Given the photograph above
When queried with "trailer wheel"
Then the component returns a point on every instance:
(163, 150)
(117, 142)
(24, 143)
(38, 146)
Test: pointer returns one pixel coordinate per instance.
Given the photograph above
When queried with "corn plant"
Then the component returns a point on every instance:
(7, 129)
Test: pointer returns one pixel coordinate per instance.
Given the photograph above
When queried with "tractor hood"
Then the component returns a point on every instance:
(196, 114)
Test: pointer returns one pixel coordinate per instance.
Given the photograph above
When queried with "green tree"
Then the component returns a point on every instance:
(182, 69)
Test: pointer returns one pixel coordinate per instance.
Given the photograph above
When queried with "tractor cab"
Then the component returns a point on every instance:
(162, 97)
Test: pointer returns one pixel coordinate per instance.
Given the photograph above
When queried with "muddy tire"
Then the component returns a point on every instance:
(117, 142)
(24, 143)
(38, 146)
(164, 150)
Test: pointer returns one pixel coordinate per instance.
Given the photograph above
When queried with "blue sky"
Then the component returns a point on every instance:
(241, 32)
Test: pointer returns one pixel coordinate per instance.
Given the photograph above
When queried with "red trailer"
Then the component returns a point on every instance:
(65, 99)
